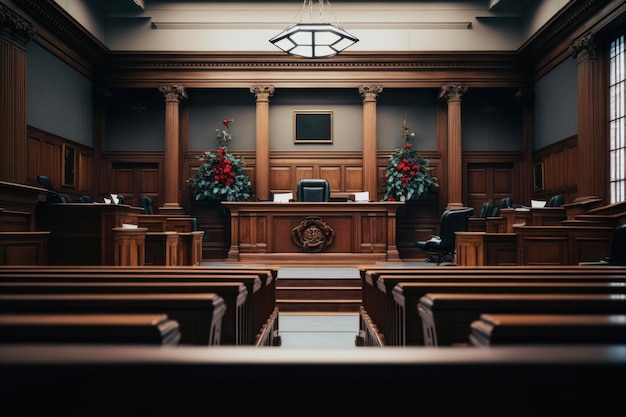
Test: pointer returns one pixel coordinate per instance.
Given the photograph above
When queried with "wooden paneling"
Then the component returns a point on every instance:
(560, 170)
(48, 159)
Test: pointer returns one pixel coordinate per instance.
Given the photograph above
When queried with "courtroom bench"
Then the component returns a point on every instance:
(236, 326)
(533, 329)
(404, 325)
(199, 315)
(93, 329)
(446, 317)
(376, 314)
(378, 303)
(262, 310)
(533, 381)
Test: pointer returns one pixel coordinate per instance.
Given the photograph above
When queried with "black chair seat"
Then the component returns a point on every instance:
(442, 248)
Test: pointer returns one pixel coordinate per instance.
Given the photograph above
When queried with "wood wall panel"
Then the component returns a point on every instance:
(280, 179)
(47, 159)
(84, 171)
(333, 176)
(560, 170)
(353, 179)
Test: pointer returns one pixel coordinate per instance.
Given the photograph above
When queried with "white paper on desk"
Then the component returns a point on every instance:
(128, 226)
(115, 198)
(537, 203)
(283, 197)
(364, 196)
(107, 200)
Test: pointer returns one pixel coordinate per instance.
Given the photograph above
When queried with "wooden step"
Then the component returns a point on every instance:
(309, 305)
(318, 294)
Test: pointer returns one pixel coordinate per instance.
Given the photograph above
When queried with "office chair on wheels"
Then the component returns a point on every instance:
(442, 248)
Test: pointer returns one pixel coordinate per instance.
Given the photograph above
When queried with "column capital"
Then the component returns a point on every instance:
(452, 92)
(15, 29)
(262, 92)
(173, 92)
(370, 92)
(584, 47)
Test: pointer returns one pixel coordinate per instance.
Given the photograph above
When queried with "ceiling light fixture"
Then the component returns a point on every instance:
(313, 39)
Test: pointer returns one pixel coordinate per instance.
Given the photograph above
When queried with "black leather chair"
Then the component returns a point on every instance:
(313, 189)
(505, 202)
(86, 198)
(45, 182)
(556, 201)
(146, 204)
(442, 248)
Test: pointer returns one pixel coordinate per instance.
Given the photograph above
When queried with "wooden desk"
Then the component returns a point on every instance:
(274, 232)
(82, 233)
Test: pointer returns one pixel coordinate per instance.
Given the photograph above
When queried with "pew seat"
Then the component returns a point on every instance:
(131, 329)
(446, 317)
(199, 315)
(533, 329)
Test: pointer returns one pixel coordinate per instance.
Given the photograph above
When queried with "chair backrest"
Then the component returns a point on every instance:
(618, 246)
(313, 189)
(486, 209)
(556, 201)
(86, 198)
(453, 221)
(146, 204)
(44, 181)
(505, 202)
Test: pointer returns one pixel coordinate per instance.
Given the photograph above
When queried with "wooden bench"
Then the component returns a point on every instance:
(134, 329)
(446, 317)
(377, 283)
(235, 329)
(532, 329)
(199, 315)
(263, 312)
(533, 381)
(404, 326)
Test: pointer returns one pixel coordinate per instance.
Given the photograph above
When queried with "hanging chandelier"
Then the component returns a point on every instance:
(310, 39)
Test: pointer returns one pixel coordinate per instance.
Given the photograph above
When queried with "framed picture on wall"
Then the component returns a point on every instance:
(313, 126)
(538, 175)
(68, 166)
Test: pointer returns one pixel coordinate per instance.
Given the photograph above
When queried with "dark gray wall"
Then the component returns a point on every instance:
(556, 105)
(58, 97)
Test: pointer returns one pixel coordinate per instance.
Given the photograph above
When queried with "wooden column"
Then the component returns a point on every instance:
(101, 98)
(370, 160)
(173, 94)
(14, 35)
(592, 126)
(262, 175)
(454, 162)
(524, 99)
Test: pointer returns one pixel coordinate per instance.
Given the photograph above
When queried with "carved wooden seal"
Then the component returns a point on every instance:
(313, 235)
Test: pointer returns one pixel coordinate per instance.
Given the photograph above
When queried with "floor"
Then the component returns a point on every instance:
(313, 330)
(318, 330)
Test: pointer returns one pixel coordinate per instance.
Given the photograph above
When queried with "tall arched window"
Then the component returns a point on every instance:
(617, 120)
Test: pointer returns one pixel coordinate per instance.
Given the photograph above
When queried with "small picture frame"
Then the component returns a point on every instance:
(538, 176)
(68, 171)
(313, 126)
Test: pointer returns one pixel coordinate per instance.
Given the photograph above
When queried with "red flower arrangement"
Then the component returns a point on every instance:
(407, 175)
(222, 176)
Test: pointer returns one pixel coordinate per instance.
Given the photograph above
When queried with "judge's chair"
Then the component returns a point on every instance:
(313, 190)
(442, 248)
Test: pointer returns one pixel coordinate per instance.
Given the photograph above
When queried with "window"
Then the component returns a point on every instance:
(617, 120)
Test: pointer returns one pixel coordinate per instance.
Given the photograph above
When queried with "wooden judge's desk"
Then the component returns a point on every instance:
(313, 233)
